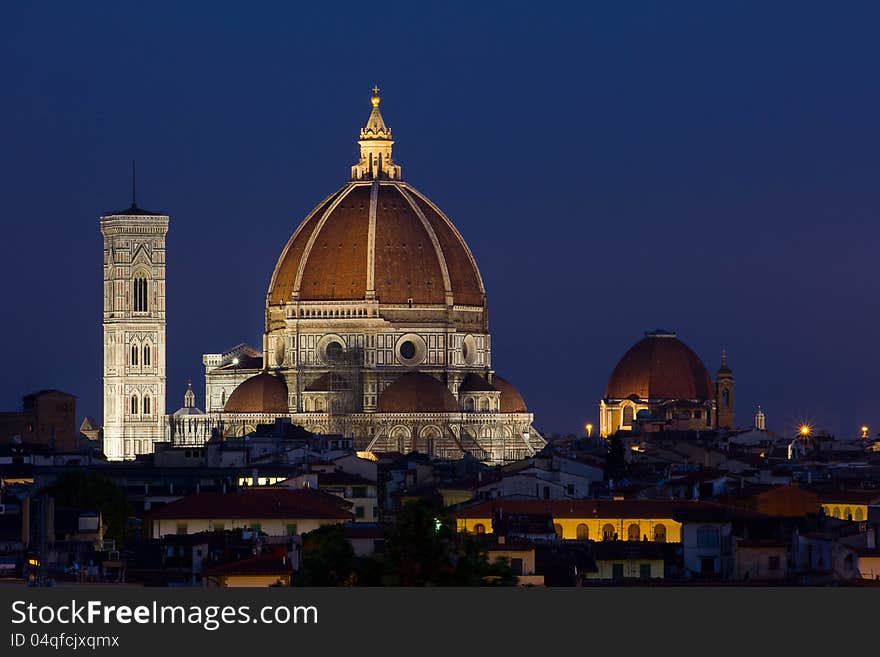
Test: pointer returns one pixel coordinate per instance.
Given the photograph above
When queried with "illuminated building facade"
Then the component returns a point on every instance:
(134, 331)
(376, 328)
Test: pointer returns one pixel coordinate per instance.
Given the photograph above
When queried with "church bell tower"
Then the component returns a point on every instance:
(134, 331)
(724, 395)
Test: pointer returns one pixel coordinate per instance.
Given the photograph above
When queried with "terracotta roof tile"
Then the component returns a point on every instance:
(257, 503)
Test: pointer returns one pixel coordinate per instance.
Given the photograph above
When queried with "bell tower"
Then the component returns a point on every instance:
(724, 395)
(134, 330)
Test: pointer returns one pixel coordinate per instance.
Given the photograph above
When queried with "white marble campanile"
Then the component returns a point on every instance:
(134, 331)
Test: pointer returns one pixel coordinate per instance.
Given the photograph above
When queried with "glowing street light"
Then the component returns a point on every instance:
(805, 431)
(864, 431)
(589, 427)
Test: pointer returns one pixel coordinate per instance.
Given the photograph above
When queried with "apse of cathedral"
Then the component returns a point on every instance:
(376, 329)
(660, 384)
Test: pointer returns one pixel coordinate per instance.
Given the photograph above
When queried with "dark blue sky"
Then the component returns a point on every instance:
(710, 168)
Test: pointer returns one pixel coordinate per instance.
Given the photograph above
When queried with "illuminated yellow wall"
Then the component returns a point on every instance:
(621, 526)
(631, 568)
(595, 526)
(470, 524)
(252, 581)
(844, 509)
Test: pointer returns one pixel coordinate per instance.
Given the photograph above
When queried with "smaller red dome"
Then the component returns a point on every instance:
(659, 367)
(511, 400)
(263, 393)
(416, 392)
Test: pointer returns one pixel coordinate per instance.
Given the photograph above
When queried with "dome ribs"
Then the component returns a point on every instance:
(379, 240)
(402, 268)
(285, 272)
(464, 275)
(335, 268)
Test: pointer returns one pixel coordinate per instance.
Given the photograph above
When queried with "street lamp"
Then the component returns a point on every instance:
(864, 431)
(805, 431)
(589, 427)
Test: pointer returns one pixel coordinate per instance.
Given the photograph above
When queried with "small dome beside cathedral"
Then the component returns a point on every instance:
(511, 399)
(416, 392)
(657, 367)
(263, 393)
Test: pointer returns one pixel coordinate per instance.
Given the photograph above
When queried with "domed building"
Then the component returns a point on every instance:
(661, 384)
(377, 328)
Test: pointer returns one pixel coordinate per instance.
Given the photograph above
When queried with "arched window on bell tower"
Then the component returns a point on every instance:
(139, 294)
(135, 352)
(134, 405)
(148, 354)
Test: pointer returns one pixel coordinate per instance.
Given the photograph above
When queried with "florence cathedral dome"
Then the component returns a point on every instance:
(377, 327)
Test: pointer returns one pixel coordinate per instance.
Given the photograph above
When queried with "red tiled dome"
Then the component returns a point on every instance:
(415, 251)
(263, 393)
(660, 366)
(416, 392)
(511, 400)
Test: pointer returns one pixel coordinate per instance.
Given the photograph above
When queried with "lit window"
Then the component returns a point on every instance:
(479, 528)
(608, 532)
(632, 532)
(583, 532)
(660, 533)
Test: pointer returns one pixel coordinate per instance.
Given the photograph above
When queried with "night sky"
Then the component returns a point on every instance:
(709, 168)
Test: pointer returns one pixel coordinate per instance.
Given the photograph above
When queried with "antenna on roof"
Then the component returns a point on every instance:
(133, 185)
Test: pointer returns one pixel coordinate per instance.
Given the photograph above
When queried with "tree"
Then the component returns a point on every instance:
(419, 546)
(93, 492)
(615, 461)
(423, 549)
(327, 558)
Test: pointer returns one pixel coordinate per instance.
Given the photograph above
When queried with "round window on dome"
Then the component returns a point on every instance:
(330, 348)
(469, 350)
(411, 349)
(408, 350)
(334, 351)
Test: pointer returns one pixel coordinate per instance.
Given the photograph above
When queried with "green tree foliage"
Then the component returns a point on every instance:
(615, 462)
(93, 492)
(421, 549)
(327, 558)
